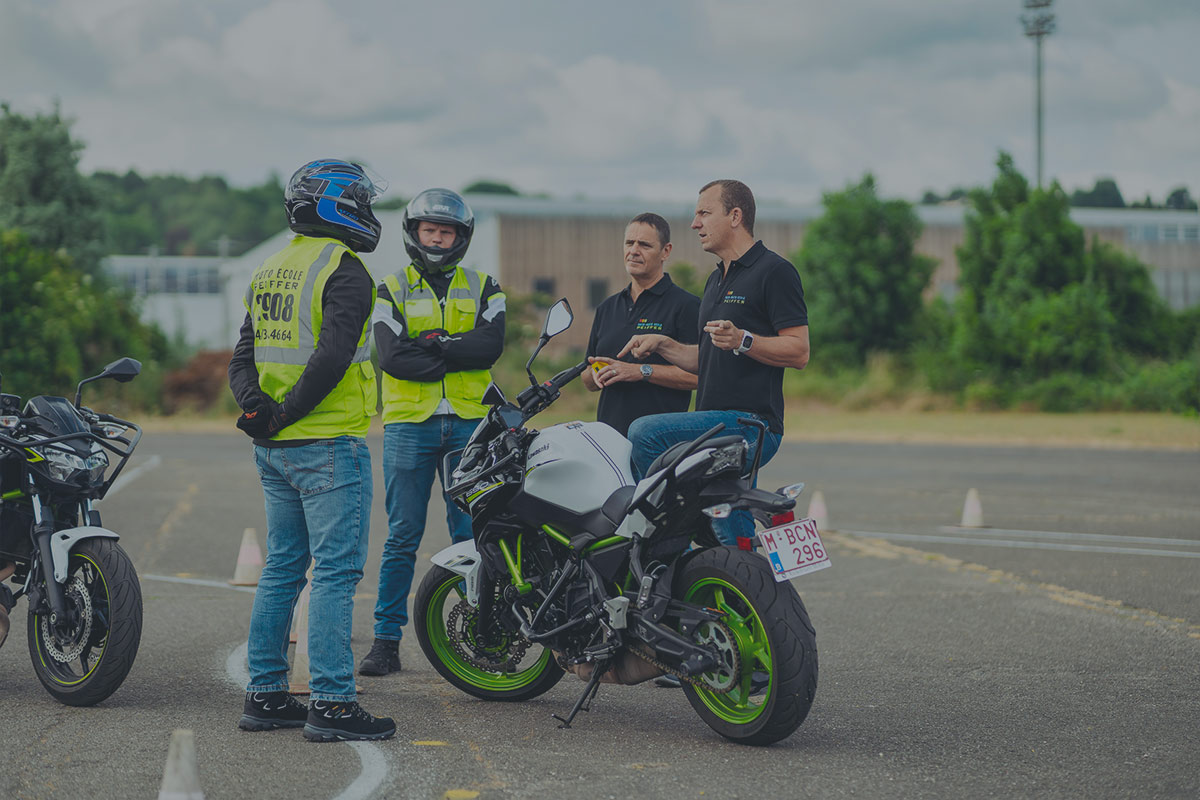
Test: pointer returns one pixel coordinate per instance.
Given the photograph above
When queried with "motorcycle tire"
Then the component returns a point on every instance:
(438, 593)
(104, 601)
(775, 642)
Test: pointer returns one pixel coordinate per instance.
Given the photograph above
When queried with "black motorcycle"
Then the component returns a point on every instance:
(85, 603)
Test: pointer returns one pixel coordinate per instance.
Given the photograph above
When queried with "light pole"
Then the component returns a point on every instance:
(1039, 23)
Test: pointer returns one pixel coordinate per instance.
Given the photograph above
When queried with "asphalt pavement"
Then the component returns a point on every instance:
(993, 662)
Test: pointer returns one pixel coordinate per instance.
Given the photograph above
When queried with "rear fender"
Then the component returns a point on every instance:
(64, 541)
(463, 559)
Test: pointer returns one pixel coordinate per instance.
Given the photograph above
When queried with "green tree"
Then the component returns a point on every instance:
(44, 193)
(863, 279)
(1043, 316)
(59, 325)
(1104, 194)
(490, 187)
(1181, 200)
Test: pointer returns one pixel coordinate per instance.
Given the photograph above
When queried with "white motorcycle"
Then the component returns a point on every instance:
(575, 567)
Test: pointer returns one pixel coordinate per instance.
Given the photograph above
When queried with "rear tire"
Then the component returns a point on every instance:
(104, 601)
(774, 638)
(439, 592)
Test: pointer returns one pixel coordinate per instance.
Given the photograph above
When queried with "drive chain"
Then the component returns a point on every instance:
(644, 652)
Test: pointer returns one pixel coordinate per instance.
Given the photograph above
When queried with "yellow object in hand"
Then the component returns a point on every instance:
(598, 365)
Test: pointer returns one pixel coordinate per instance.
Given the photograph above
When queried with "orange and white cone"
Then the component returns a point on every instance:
(181, 778)
(817, 512)
(972, 516)
(250, 561)
(300, 676)
(305, 593)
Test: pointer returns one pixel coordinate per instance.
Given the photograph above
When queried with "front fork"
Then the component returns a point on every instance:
(43, 529)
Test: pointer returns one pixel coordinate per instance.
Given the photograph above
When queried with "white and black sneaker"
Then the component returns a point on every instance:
(331, 721)
(264, 711)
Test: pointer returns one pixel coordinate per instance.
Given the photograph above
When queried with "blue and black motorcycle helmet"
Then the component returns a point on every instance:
(445, 207)
(332, 198)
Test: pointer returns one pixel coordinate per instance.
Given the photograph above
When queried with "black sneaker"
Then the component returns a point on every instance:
(265, 711)
(383, 658)
(330, 721)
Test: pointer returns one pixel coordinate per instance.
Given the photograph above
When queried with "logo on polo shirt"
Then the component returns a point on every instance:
(644, 324)
(736, 299)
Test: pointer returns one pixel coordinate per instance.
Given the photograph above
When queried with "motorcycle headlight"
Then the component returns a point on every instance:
(728, 457)
(60, 464)
(95, 464)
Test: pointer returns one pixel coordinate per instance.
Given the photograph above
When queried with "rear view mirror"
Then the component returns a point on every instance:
(558, 319)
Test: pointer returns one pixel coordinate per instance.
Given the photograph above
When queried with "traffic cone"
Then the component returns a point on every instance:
(181, 779)
(305, 593)
(250, 561)
(300, 675)
(817, 512)
(972, 516)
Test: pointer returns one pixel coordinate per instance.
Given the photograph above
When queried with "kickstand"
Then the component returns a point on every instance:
(584, 703)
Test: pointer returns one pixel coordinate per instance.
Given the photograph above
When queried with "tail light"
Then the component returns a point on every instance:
(782, 519)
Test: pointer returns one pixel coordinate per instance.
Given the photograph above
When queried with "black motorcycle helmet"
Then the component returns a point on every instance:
(445, 207)
(332, 198)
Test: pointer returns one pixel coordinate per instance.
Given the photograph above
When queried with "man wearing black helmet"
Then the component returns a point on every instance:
(301, 373)
(439, 327)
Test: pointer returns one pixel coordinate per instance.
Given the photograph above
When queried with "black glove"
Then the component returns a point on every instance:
(263, 418)
(431, 340)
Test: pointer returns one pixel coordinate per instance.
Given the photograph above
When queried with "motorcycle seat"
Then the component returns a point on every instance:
(668, 455)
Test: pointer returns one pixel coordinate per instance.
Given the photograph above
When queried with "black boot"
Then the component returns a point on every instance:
(264, 711)
(331, 721)
(383, 658)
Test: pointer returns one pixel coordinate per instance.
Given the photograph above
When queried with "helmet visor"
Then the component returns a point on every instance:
(440, 205)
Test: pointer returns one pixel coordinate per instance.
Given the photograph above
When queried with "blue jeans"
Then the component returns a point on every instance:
(412, 453)
(318, 499)
(652, 435)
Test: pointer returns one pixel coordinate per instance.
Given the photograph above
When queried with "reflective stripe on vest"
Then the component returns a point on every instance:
(284, 301)
(415, 401)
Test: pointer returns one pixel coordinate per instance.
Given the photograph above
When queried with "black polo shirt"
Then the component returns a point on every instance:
(663, 308)
(761, 294)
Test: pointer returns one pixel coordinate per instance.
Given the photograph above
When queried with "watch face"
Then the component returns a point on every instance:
(747, 340)
(647, 370)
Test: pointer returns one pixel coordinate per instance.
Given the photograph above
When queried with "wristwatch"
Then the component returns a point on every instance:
(747, 340)
(647, 371)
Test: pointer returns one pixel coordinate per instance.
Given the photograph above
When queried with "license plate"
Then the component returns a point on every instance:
(794, 549)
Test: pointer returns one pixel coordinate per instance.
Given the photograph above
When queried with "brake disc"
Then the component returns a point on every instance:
(77, 596)
(461, 629)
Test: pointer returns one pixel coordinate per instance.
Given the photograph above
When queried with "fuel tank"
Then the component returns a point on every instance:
(577, 465)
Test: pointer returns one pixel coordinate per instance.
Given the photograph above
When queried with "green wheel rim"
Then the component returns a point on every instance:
(439, 639)
(738, 706)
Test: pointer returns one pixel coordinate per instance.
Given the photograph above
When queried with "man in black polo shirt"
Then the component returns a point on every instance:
(651, 302)
(755, 325)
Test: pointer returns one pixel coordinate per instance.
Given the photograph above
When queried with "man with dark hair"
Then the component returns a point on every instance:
(755, 325)
(651, 302)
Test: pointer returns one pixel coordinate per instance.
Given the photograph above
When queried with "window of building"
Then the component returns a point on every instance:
(543, 289)
(1170, 233)
(597, 290)
(1191, 233)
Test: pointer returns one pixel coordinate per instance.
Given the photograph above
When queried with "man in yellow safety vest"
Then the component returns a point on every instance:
(439, 327)
(301, 373)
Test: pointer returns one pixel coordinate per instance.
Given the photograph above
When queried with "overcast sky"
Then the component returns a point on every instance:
(617, 99)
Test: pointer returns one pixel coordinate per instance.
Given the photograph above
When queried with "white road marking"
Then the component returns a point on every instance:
(133, 474)
(374, 766)
(198, 582)
(1018, 544)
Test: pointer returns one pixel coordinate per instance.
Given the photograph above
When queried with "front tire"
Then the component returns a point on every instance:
(440, 592)
(104, 602)
(775, 641)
